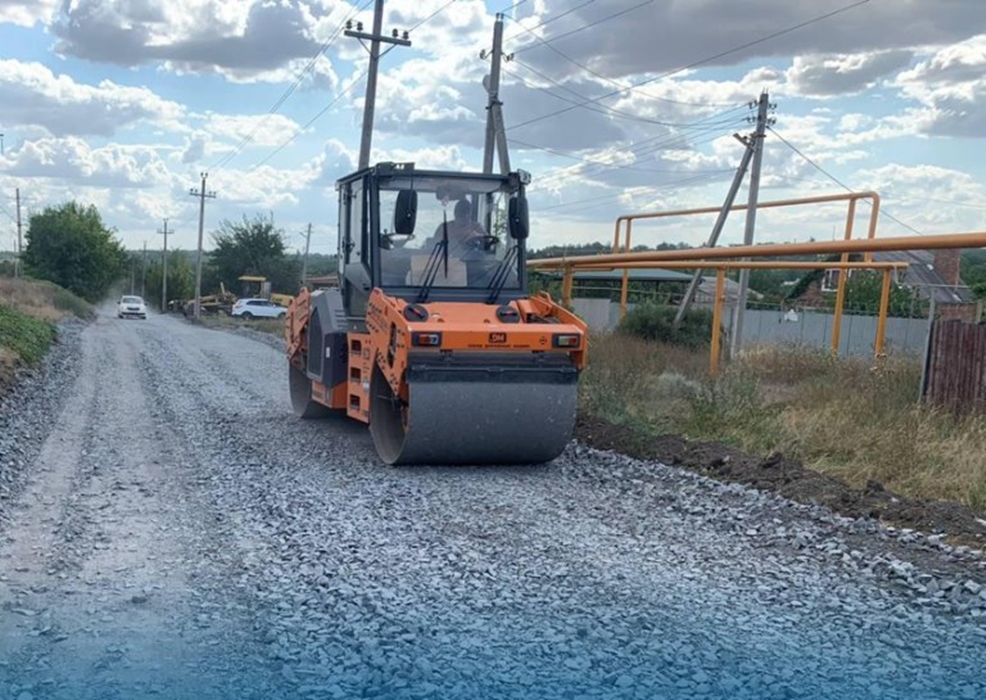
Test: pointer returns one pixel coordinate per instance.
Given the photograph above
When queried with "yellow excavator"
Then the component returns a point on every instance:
(431, 337)
(263, 290)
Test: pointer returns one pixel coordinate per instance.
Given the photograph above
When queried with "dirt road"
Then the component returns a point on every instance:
(175, 532)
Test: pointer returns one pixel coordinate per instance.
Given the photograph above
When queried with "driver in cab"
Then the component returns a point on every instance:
(464, 234)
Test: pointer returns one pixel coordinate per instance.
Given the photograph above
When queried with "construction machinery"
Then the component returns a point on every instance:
(263, 290)
(221, 302)
(431, 337)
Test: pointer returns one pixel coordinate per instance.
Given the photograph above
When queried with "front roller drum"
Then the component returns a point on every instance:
(464, 423)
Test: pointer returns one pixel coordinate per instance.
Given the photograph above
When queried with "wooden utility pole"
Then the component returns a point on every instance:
(143, 273)
(164, 273)
(17, 264)
(496, 137)
(304, 263)
(763, 107)
(371, 80)
(202, 194)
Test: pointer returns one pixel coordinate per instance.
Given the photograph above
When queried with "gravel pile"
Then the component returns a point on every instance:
(26, 412)
(596, 576)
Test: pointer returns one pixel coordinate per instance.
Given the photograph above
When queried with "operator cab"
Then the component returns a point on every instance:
(423, 235)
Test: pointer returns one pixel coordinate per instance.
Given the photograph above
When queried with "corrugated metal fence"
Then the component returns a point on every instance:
(955, 375)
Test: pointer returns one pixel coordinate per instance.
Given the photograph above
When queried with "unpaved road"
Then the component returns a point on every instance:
(174, 532)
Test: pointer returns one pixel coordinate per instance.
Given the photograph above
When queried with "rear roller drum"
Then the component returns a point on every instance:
(301, 396)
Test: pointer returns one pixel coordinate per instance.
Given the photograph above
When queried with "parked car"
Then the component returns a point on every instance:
(257, 308)
(131, 306)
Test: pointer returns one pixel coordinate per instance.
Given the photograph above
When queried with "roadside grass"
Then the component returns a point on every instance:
(42, 300)
(29, 310)
(844, 417)
(264, 325)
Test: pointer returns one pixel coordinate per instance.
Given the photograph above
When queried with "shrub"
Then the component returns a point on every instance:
(654, 322)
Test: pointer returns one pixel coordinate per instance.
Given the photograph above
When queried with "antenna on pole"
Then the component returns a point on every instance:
(371, 81)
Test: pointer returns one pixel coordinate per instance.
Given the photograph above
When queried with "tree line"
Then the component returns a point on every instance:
(71, 246)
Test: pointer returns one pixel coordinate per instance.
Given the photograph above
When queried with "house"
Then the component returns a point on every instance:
(931, 274)
(705, 295)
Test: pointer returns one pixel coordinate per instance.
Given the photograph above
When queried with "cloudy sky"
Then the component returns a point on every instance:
(614, 106)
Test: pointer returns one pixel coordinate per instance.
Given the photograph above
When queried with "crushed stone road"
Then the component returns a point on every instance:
(168, 529)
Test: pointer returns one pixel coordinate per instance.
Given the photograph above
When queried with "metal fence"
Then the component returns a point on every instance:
(955, 371)
(804, 327)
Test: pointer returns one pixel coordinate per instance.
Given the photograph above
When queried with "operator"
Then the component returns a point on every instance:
(461, 230)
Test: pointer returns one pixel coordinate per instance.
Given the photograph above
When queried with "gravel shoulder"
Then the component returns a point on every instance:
(176, 532)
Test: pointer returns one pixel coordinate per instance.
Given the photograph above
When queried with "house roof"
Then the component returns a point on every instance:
(922, 275)
(708, 288)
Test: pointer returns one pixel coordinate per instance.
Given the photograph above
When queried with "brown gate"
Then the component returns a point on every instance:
(956, 365)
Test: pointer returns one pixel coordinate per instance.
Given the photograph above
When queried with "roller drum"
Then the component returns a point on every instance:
(475, 415)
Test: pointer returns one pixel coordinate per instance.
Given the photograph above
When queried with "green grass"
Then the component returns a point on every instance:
(273, 326)
(845, 417)
(27, 338)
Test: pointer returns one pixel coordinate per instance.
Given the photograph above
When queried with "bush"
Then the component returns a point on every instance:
(654, 322)
(29, 338)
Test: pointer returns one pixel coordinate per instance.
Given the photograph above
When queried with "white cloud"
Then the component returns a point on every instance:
(31, 95)
(72, 158)
(27, 14)
(843, 74)
(951, 85)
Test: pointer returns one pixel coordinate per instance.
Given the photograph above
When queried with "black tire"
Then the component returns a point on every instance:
(246, 315)
(280, 316)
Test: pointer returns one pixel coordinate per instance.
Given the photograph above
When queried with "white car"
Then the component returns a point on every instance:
(257, 308)
(131, 306)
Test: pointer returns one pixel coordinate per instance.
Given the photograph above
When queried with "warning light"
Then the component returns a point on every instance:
(567, 340)
(426, 339)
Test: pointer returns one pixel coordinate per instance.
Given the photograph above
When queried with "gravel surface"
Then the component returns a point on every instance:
(182, 535)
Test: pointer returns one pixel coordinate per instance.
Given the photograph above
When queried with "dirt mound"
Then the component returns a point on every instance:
(790, 479)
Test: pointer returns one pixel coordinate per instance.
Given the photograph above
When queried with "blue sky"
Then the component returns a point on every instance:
(123, 103)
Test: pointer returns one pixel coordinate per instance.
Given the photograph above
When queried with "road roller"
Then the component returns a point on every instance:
(432, 337)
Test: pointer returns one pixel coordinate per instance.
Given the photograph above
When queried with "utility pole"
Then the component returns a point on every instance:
(304, 264)
(164, 273)
(143, 273)
(717, 228)
(371, 80)
(496, 137)
(763, 107)
(17, 265)
(202, 194)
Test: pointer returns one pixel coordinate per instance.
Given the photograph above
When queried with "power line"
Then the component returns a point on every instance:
(549, 20)
(434, 14)
(592, 24)
(839, 182)
(311, 121)
(225, 159)
(600, 75)
(708, 59)
(601, 162)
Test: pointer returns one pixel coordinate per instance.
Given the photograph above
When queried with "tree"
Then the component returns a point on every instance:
(181, 278)
(863, 291)
(70, 246)
(253, 247)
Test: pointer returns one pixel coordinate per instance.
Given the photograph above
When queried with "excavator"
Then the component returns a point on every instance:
(431, 337)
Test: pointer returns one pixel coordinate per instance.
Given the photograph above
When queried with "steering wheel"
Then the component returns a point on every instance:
(483, 241)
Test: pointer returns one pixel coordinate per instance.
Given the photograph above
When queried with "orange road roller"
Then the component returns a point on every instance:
(431, 336)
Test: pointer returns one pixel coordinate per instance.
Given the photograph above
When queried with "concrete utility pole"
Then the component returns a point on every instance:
(164, 273)
(202, 194)
(17, 265)
(143, 273)
(371, 80)
(496, 137)
(717, 227)
(304, 264)
(763, 107)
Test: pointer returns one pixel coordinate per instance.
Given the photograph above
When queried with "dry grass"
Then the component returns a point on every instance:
(843, 417)
(264, 325)
(41, 300)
